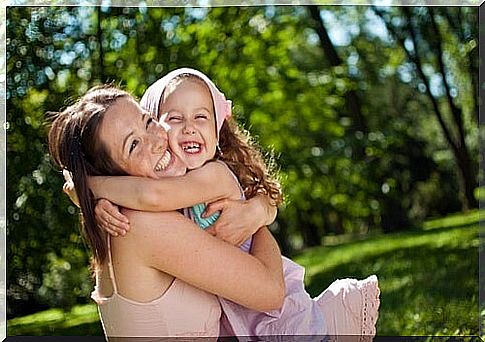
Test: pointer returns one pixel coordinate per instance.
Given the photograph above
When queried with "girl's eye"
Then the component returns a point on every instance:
(201, 116)
(133, 145)
(174, 118)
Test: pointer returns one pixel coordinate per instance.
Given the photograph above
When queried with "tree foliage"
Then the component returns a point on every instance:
(352, 118)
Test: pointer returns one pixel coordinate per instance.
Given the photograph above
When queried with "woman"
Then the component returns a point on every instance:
(138, 289)
(198, 114)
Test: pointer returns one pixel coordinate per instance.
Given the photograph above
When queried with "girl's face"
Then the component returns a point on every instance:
(189, 111)
(137, 142)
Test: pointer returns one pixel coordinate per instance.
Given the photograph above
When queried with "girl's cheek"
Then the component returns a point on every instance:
(171, 135)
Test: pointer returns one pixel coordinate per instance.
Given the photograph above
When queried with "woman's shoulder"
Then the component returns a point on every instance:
(157, 231)
(151, 218)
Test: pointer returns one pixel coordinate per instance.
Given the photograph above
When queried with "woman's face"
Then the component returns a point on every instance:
(138, 143)
(190, 114)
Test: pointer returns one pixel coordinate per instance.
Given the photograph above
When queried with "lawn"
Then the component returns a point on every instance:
(428, 280)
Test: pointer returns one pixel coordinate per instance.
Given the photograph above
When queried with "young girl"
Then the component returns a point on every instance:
(162, 279)
(198, 115)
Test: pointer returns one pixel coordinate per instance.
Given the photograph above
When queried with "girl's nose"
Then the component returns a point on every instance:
(188, 128)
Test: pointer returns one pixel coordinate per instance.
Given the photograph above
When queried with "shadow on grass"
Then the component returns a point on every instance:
(425, 290)
(315, 254)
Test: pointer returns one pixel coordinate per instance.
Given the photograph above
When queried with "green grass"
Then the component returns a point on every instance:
(428, 280)
(80, 320)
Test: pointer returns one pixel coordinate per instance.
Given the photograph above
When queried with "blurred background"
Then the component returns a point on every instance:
(372, 113)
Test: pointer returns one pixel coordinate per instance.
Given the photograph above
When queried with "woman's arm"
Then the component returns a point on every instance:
(175, 245)
(206, 184)
(240, 218)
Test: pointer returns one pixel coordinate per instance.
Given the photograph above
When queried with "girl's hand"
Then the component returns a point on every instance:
(239, 219)
(68, 187)
(110, 219)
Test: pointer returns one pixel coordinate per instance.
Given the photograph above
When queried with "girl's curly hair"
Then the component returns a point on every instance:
(256, 172)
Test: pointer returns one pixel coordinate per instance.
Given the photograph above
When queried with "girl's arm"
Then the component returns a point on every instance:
(209, 183)
(175, 245)
(239, 219)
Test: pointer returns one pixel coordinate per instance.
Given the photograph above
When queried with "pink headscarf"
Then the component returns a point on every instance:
(151, 99)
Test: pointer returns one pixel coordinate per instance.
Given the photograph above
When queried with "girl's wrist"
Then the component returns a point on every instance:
(261, 210)
(269, 211)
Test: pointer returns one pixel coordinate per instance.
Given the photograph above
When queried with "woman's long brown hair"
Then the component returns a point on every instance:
(74, 145)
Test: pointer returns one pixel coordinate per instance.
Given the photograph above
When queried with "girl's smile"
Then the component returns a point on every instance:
(190, 113)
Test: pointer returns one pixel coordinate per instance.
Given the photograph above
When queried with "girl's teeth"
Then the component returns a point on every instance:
(191, 147)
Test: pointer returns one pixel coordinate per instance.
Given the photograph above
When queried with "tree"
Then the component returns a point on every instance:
(376, 164)
(422, 33)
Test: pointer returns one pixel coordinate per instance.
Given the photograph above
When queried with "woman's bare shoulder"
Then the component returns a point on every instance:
(140, 217)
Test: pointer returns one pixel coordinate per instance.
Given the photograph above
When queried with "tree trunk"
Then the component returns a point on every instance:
(467, 174)
(310, 234)
(467, 178)
(281, 235)
(456, 22)
(352, 101)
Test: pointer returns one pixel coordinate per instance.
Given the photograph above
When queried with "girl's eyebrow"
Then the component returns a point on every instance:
(203, 107)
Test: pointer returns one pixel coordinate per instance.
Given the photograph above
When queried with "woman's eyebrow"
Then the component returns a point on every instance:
(125, 141)
(129, 135)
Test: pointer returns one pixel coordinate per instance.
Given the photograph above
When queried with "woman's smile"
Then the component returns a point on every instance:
(163, 162)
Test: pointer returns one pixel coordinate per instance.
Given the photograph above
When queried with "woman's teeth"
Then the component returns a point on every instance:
(163, 162)
(191, 147)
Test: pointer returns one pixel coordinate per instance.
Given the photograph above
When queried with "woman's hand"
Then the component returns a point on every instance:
(240, 219)
(110, 219)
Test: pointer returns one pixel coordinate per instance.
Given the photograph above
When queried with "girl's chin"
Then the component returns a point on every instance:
(195, 160)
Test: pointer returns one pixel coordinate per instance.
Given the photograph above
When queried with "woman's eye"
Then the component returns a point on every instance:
(133, 145)
(149, 121)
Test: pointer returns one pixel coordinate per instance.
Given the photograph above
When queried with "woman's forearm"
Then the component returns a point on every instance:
(265, 248)
(175, 245)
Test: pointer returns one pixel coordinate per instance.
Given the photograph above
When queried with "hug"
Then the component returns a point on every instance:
(195, 196)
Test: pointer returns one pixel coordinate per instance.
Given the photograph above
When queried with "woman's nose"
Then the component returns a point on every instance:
(159, 138)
